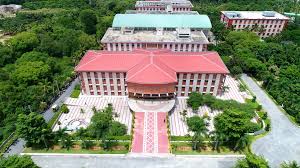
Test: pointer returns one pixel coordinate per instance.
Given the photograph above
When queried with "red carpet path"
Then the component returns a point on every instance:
(150, 133)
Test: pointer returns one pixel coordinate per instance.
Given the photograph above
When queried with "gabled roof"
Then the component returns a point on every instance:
(152, 66)
(151, 71)
(162, 21)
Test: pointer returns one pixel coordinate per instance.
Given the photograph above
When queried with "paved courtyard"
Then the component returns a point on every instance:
(134, 162)
(178, 126)
(283, 142)
(77, 118)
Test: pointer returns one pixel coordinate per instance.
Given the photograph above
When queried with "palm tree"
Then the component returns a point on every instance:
(60, 134)
(67, 143)
(242, 143)
(218, 138)
(198, 127)
(292, 164)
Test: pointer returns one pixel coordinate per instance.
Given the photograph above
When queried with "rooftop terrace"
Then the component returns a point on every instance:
(162, 12)
(253, 15)
(152, 37)
(164, 3)
(162, 21)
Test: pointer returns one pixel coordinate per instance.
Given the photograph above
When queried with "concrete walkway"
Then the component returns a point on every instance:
(283, 142)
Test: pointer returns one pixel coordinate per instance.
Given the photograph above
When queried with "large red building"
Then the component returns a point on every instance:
(151, 73)
(264, 23)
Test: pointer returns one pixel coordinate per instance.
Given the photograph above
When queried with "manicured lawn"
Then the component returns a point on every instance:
(75, 93)
(30, 150)
(54, 118)
(185, 148)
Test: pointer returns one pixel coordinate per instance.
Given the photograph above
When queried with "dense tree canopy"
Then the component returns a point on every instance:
(17, 162)
(252, 161)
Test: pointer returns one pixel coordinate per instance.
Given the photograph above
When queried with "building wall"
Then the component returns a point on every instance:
(103, 83)
(151, 89)
(160, 8)
(271, 26)
(177, 47)
(204, 83)
(114, 84)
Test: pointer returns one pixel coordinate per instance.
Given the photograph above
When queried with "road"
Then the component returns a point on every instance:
(18, 147)
(282, 143)
(119, 161)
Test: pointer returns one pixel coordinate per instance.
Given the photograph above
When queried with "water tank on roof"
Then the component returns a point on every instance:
(268, 13)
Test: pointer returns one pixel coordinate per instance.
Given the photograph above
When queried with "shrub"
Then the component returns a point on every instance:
(259, 107)
(86, 144)
(64, 109)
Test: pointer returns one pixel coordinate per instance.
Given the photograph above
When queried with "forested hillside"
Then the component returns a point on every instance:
(48, 39)
(50, 36)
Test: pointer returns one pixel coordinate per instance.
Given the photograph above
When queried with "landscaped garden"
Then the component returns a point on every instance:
(234, 126)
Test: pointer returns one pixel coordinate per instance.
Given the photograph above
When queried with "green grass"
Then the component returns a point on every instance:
(75, 93)
(54, 118)
(85, 151)
(223, 150)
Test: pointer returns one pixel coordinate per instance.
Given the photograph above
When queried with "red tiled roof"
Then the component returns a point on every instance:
(152, 66)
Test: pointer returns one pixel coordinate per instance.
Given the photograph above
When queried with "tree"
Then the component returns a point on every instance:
(86, 144)
(17, 162)
(30, 72)
(197, 126)
(33, 129)
(195, 100)
(252, 161)
(64, 109)
(24, 42)
(89, 20)
(292, 164)
(117, 129)
(67, 142)
(234, 124)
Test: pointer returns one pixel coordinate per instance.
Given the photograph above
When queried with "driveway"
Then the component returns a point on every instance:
(283, 142)
(116, 161)
(18, 147)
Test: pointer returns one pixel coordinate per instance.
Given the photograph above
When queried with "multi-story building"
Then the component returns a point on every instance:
(164, 5)
(151, 73)
(264, 23)
(177, 32)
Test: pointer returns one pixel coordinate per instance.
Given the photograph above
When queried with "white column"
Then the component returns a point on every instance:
(122, 83)
(93, 83)
(101, 83)
(179, 84)
(108, 46)
(200, 47)
(195, 82)
(202, 82)
(173, 47)
(195, 48)
(184, 47)
(125, 47)
(135, 46)
(209, 83)
(187, 84)
(119, 47)
(107, 83)
(168, 46)
(130, 46)
(217, 82)
(190, 47)
(114, 47)
(86, 83)
(115, 83)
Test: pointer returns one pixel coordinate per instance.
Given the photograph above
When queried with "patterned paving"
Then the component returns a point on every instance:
(86, 103)
(178, 125)
(150, 133)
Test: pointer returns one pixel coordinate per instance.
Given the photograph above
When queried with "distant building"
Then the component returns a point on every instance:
(151, 73)
(177, 32)
(164, 5)
(264, 23)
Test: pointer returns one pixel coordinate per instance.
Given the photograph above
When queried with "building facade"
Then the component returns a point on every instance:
(263, 23)
(151, 74)
(177, 32)
(164, 5)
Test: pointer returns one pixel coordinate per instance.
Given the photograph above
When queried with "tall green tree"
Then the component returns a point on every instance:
(17, 162)
(197, 125)
(89, 21)
(33, 129)
(252, 161)
(195, 100)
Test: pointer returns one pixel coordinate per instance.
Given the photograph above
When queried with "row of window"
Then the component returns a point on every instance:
(102, 75)
(249, 26)
(258, 21)
(206, 76)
